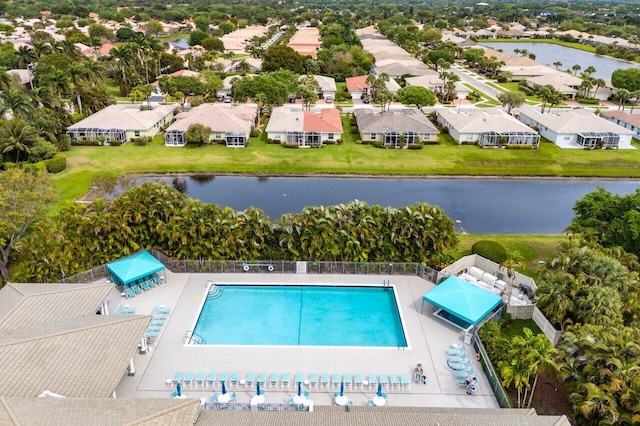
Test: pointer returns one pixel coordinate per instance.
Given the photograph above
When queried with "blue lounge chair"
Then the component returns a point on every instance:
(461, 358)
(460, 365)
(273, 381)
(370, 403)
(457, 351)
(136, 289)
(461, 374)
(211, 380)
(335, 381)
(249, 381)
(128, 291)
(285, 381)
(233, 396)
(222, 378)
(298, 378)
(177, 378)
(384, 382)
(324, 381)
(188, 379)
(145, 286)
(406, 384)
(235, 379)
(373, 382)
(214, 397)
(313, 381)
(262, 378)
(200, 379)
(158, 309)
(306, 394)
(151, 283)
(348, 383)
(395, 383)
(357, 382)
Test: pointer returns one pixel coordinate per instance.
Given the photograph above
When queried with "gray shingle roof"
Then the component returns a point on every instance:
(478, 121)
(98, 411)
(33, 304)
(124, 116)
(574, 121)
(402, 120)
(384, 416)
(81, 357)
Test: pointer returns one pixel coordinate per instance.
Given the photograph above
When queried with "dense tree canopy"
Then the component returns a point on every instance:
(282, 57)
(628, 79)
(156, 215)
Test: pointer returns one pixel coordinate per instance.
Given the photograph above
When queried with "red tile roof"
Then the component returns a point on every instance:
(356, 84)
(327, 121)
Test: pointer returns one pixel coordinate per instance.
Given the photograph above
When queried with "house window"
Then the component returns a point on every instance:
(372, 137)
(330, 136)
(566, 138)
(136, 133)
(218, 136)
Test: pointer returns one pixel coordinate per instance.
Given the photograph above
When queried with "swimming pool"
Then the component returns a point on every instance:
(301, 316)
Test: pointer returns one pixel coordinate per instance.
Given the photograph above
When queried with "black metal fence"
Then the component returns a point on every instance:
(270, 266)
(494, 379)
(244, 406)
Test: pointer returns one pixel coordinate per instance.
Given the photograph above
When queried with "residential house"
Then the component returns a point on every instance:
(237, 41)
(565, 83)
(306, 41)
(25, 76)
(486, 127)
(326, 87)
(255, 65)
(398, 128)
(624, 119)
(359, 88)
(122, 122)
(433, 82)
(231, 124)
(577, 128)
(292, 125)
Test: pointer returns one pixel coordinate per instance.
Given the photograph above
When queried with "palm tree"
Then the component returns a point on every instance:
(77, 75)
(25, 56)
(93, 71)
(5, 80)
(515, 373)
(557, 64)
(57, 81)
(260, 99)
(622, 95)
(576, 68)
(537, 351)
(554, 296)
(17, 138)
(590, 70)
(595, 404)
(15, 102)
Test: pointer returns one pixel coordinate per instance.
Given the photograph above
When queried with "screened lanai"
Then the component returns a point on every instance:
(175, 138)
(508, 138)
(461, 303)
(88, 134)
(304, 139)
(593, 139)
(399, 139)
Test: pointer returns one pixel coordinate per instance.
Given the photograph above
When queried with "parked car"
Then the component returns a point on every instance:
(481, 71)
(227, 100)
(365, 100)
(292, 99)
(328, 99)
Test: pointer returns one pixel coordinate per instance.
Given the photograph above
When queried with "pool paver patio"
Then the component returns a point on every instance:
(427, 336)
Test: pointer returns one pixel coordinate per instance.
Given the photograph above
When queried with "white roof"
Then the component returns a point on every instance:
(574, 121)
(219, 118)
(479, 121)
(124, 116)
(286, 119)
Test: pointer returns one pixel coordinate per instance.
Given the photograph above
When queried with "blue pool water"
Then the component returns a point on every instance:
(302, 315)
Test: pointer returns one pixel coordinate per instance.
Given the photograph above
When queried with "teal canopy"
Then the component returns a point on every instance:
(463, 299)
(132, 268)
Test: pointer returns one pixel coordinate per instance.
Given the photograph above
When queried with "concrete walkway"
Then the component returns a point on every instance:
(428, 340)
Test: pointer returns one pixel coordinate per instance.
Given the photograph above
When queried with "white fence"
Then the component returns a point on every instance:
(488, 266)
(547, 328)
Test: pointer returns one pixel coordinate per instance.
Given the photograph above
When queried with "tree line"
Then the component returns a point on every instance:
(157, 215)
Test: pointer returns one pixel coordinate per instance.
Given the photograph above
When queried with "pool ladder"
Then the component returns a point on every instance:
(215, 291)
(386, 283)
(191, 338)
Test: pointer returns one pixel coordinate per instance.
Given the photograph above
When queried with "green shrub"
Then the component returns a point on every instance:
(198, 100)
(377, 144)
(218, 142)
(329, 142)
(491, 250)
(289, 145)
(339, 141)
(40, 166)
(519, 146)
(589, 101)
(444, 129)
(359, 142)
(254, 133)
(273, 141)
(64, 143)
(141, 141)
(90, 142)
(415, 146)
(115, 143)
(56, 164)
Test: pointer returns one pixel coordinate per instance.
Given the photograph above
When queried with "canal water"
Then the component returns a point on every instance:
(482, 206)
(548, 53)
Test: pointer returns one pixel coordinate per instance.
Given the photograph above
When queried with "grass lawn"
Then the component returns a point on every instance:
(446, 159)
(488, 100)
(532, 248)
(579, 46)
(515, 328)
(513, 87)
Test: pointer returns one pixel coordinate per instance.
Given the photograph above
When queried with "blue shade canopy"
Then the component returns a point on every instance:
(463, 299)
(134, 267)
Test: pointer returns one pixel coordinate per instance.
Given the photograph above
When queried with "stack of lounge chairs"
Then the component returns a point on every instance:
(159, 316)
(460, 364)
(141, 285)
(125, 310)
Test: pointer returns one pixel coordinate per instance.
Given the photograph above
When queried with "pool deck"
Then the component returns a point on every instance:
(428, 338)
